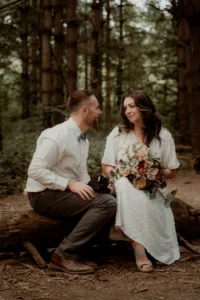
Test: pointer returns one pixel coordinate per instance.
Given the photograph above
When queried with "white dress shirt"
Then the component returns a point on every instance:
(59, 156)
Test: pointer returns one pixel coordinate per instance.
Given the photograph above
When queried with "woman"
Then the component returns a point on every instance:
(145, 221)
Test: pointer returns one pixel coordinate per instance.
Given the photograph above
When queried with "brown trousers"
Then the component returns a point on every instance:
(93, 215)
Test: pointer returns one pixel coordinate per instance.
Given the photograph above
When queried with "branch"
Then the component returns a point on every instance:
(10, 5)
(35, 254)
(187, 244)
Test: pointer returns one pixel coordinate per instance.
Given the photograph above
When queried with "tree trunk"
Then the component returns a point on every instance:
(119, 90)
(86, 51)
(107, 104)
(192, 9)
(182, 90)
(95, 75)
(34, 55)
(1, 134)
(71, 41)
(17, 227)
(58, 82)
(188, 70)
(24, 57)
(46, 63)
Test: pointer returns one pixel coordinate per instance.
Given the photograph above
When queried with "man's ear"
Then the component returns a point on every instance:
(84, 109)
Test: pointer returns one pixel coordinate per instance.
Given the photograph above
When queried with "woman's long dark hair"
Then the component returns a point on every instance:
(151, 124)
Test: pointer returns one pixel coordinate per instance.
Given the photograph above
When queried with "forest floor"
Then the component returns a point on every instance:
(117, 278)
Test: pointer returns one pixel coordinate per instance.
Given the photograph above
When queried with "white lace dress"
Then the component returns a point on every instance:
(142, 219)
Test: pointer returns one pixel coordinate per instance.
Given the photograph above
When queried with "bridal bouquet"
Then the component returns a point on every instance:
(143, 169)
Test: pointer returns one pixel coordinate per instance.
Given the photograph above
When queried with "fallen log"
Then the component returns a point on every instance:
(187, 219)
(17, 228)
(183, 148)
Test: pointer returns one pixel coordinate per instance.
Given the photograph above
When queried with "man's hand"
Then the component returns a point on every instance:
(83, 190)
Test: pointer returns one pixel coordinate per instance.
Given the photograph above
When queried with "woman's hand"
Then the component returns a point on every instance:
(169, 173)
(106, 169)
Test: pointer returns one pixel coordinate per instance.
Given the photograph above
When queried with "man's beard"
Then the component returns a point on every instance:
(93, 123)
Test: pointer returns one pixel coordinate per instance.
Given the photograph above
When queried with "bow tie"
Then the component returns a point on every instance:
(82, 136)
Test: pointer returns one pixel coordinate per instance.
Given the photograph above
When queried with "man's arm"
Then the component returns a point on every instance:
(47, 155)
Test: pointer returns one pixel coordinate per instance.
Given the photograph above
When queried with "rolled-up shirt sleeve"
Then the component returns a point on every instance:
(47, 155)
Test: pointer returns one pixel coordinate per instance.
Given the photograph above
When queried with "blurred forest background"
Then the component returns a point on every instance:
(51, 47)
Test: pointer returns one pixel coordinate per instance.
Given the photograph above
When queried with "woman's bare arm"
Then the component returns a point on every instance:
(106, 169)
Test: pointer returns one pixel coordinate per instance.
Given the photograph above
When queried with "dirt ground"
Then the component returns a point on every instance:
(116, 279)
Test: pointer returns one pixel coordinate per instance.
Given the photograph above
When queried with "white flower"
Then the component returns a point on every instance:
(151, 177)
(153, 171)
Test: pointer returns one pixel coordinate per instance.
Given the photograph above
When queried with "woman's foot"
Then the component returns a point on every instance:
(142, 262)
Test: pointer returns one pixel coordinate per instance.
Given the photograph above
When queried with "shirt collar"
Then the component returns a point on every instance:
(73, 126)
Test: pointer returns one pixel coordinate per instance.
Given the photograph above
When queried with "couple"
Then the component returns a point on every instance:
(57, 184)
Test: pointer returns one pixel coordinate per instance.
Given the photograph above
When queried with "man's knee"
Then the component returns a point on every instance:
(107, 201)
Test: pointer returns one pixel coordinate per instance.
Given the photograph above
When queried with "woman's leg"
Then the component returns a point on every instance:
(142, 262)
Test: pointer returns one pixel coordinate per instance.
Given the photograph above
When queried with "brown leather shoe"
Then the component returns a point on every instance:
(91, 264)
(69, 265)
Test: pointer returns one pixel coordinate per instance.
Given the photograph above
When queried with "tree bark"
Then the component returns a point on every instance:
(95, 74)
(1, 134)
(188, 70)
(58, 81)
(182, 90)
(25, 96)
(17, 227)
(34, 40)
(107, 104)
(192, 9)
(71, 41)
(47, 79)
(119, 90)
(86, 50)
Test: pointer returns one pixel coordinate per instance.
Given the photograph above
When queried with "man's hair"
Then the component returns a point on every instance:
(77, 99)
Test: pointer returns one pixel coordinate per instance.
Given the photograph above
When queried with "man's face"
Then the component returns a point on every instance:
(93, 112)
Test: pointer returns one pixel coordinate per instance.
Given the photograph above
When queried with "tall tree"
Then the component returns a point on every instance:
(1, 134)
(183, 37)
(24, 8)
(189, 66)
(119, 90)
(86, 46)
(58, 81)
(71, 42)
(107, 47)
(96, 49)
(192, 9)
(34, 40)
(46, 62)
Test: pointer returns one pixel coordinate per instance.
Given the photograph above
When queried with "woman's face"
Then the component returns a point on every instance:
(131, 111)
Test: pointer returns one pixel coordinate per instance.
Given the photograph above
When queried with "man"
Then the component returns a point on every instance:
(57, 183)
